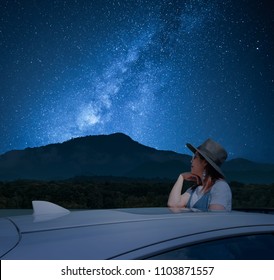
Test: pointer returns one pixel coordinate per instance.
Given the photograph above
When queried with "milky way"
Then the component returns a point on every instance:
(163, 72)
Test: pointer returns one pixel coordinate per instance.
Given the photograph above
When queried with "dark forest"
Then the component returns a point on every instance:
(113, 192)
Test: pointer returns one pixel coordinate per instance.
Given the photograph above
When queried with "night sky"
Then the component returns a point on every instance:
(163, 72)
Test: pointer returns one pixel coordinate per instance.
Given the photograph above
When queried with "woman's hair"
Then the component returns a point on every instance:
(211, 175)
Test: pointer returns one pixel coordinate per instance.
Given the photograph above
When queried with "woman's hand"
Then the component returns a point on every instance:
(188, 176)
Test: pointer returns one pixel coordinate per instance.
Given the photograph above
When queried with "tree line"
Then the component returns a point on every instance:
(112, 192)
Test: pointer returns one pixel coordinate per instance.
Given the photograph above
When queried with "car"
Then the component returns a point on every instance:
(53, 232)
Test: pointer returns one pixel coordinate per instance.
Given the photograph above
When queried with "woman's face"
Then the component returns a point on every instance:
(197, 165)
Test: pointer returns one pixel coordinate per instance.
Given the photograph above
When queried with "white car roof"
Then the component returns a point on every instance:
(193, 220)
(103, 234)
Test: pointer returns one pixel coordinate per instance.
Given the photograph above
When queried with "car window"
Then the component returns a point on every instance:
(258, 247)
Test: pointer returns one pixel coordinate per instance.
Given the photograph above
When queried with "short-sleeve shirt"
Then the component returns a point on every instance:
(220, 193)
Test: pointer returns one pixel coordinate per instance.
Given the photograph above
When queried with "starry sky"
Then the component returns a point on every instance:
(164, 72)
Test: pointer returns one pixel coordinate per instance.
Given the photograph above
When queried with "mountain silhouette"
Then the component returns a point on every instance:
(113, 155)
(104, 155)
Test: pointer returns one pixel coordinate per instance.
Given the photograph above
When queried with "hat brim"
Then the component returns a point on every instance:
(210, 161)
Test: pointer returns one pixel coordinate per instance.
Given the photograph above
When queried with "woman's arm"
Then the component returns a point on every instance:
(221, 196)
(216, 207)
(176, 199)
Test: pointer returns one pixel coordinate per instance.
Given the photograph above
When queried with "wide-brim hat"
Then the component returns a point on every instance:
(213, 153)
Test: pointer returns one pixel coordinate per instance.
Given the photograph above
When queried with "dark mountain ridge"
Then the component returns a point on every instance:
(113, 155)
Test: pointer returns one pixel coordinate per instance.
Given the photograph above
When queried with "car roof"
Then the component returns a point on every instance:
(103, 234)
(193, 220)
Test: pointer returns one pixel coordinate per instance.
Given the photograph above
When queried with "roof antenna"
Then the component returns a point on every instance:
(49, 209)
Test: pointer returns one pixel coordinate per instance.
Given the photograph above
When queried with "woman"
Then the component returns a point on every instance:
(211, 191)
